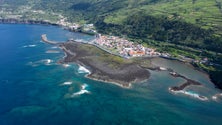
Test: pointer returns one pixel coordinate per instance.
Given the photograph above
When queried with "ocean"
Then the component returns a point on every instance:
(36, 90)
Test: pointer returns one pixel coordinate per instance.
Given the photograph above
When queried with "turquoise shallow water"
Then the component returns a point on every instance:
(32, 90)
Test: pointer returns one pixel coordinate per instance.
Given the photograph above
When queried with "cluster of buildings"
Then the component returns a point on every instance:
(90, 28)
(71, 26)
(86, 28)
(124, 47)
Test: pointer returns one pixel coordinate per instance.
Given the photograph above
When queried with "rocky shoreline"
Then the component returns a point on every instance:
(20, 21)
(40, 22)
(110, 68)
(104, 66)
(188, 82)
(181, 88)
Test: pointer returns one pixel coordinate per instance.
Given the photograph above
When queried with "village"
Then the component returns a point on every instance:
(112, 44)
(123, 47)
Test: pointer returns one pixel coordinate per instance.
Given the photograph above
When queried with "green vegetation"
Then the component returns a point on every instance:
(103, 56)
(216, 78)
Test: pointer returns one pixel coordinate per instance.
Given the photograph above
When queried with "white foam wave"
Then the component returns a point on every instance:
(67, 83)
(47, 61)
(52, 51)
(191, 94)
(32, 64)
(82, 91)
(29, 46)
(66, 65)
(215, 97)
(84, 86)
(163, 69)
(44, 61)
(83, 70)
(54, 47)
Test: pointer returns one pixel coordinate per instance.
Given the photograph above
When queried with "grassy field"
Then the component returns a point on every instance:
(203, 13)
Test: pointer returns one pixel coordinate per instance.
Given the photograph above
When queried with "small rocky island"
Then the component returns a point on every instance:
(103, 65)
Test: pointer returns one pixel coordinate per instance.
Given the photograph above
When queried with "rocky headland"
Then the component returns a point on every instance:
(105, 66)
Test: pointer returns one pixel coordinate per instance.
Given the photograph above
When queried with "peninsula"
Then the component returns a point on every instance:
(108, 66)
(105, 66)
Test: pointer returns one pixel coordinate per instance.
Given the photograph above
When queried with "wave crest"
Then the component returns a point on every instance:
(67, 83)
(40, 62)
(82, 91)
(191, 94)
(83, 70)
(66, 65)
(29, 46)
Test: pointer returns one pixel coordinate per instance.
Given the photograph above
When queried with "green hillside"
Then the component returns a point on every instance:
(204, 13)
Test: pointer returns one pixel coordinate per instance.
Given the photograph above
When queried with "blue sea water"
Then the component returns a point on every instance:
(35, 90)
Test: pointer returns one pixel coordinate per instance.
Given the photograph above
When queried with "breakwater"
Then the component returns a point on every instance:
(45, 39)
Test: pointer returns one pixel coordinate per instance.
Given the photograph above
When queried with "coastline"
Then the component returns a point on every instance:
(121, 74)
(101, 77)
(36, 22)
(115, 83)
(100, 80)
(106, 74)
(19, 21)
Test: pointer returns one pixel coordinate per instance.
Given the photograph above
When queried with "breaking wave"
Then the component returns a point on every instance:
(217, 96)
(67, 83)
(47, 61)
(29, 46)
(52, 51)
(54, 47)
(191, 94)
(82, 91)
(44, 61)
(83, 70)
(66, 65)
